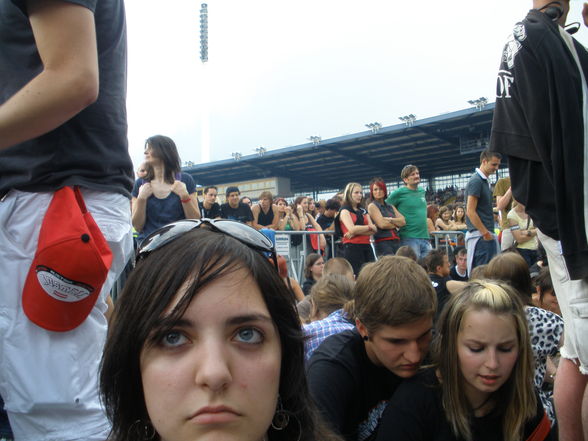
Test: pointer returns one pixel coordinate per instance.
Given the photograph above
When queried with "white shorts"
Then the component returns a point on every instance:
(49, 380)
(572, 296)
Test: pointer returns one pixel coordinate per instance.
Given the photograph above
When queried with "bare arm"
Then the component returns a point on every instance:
(255, 212)
(317, 227)
(189, 201)
(298, 293)
(65, 35)
(191, 208)
(472, 204)
(274, 225)
(430, 226)
(442, 226)
(521, 236)
(139, 206)
(355, 230)
(504, 200)
(383, 223)
(399, 220)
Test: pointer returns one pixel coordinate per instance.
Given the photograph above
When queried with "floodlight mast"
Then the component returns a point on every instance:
(374, 127)
(204, 32)
(316, 140)
(480, 103)
(204, 95)
(408, 120)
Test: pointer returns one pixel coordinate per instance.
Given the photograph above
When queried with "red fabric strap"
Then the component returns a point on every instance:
(542, 429)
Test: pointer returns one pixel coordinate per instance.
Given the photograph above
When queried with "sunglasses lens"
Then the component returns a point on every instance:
(245, 233)
(166, 234)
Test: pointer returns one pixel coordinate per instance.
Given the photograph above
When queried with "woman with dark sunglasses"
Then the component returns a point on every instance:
(205, 342)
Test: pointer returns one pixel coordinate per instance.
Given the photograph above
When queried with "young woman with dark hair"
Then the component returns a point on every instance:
(306, 221)
(205, 343)
(356, 228)
(386, 217)
(480, 386)
(313, 271)
(287, 221)
(165, 194)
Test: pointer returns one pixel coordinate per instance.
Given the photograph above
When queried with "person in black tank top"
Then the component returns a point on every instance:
(265, 213)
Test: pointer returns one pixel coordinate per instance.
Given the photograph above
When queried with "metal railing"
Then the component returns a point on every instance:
(295, 255)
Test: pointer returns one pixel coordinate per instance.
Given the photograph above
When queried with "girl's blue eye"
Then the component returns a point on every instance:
(249, 335)
(173, 339)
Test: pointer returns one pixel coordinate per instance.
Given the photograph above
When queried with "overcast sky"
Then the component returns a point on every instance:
(280, 71)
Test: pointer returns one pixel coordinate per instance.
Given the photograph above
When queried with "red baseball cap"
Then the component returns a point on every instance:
(70, 266)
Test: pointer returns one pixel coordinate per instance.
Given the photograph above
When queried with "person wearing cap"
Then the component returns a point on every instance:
(540, 123)
(62, 124)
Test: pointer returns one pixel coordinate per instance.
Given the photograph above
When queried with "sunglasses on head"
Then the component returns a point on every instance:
(237, 230)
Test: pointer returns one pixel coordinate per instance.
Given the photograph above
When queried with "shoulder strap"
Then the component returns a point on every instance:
(542, 430)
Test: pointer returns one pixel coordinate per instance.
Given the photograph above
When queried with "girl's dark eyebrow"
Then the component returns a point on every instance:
(240, 319)
(166, 322)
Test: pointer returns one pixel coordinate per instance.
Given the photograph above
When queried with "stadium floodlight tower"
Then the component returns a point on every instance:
(316, 140)
(408, 119)
(204, 32)
(480, 103)
(205, 119)
(374, 127)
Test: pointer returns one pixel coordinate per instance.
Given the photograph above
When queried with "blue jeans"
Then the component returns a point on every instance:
(420, 246)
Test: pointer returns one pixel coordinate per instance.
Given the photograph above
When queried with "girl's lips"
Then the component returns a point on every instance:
(489, 380)
(215, 415)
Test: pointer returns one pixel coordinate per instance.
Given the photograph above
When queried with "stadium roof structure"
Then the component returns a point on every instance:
(443, 145)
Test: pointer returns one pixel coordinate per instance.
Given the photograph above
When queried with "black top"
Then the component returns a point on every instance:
(307, 286)
(213, 213)
(440, 285)
(90, 149)
(453, 275)
(325, 221)
(415, 413)
(350, 391)
(265, 219)
(538, 122)
(242, 213)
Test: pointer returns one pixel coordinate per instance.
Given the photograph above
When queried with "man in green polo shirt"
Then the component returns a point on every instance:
(410, 201)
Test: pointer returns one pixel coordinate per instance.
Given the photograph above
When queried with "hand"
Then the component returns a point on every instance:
(300, 211)
(585, 14)
(288, 211)
(348, 235)
(373, 228)
(145, 191)
(487, 236)
(180, 189)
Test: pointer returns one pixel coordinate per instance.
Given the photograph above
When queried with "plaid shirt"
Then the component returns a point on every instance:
(316, 332)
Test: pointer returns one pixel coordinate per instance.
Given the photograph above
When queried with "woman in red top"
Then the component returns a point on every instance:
(356, 228)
